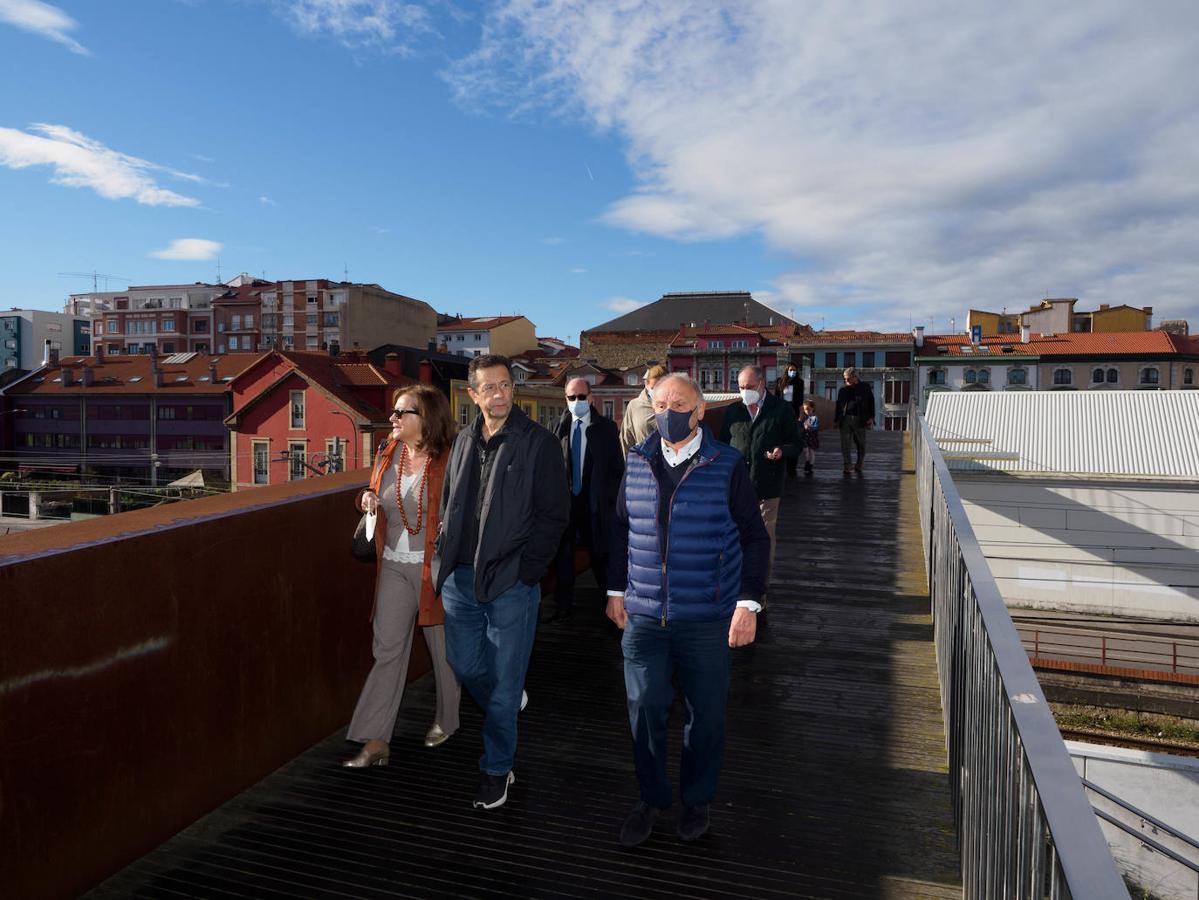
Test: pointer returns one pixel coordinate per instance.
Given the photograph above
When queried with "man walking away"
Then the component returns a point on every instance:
(594, 467)
(854, 414)
(688, 568)
(504, 505)
(763, 429)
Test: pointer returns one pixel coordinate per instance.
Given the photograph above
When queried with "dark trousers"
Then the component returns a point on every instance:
(699, 653)
(578, 534)
(853, 433)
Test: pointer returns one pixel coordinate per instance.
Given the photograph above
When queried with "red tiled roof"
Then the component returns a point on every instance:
(130, 374)
(1120, 343)
(477, 323)
(339, 377)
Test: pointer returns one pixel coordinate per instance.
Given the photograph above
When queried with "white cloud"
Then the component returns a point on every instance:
(916, 158)
(43, 19)
(622, 304)
(79, 161)
(267, 201)
(190, 249)
(383, 24)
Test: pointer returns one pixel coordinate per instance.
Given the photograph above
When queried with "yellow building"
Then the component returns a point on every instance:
(1058, 316)
(543, 403)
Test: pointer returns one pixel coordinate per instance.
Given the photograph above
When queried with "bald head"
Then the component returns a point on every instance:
(577, 386)
(677, 382)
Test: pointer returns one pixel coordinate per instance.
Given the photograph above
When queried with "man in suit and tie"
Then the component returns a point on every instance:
(594, 468)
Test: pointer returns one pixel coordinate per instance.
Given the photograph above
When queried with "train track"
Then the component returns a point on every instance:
(1128, 741)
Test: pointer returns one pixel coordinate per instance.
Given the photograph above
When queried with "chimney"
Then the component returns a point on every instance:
(89, 375)
(45, 351)
(212, 371)
(426, 372)
(391, 363)
(1025, 333)
(99, 355)
(156, 373)
(68, 376)
(1103, 306)
(918, 336)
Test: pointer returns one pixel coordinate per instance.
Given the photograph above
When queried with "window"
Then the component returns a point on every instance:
(166, 412)
(310, 320)
(333, 454)
(830, 390)
(113, 325)
(478, 337)
(1188, 376)
(1017, 376)
(867, 359)
(460, 337)
(1097, 376)
(1149, 375)
(168, 347)
(1113, 376)
(610, 409)
(312, 298)
(739, 345)
(331, 319)
(269, 322)
(288, 321)
(897, 392)
(984, 376)
(233, 343)
(199, 326)
(850, 359)
(297, 409)
(464, 414)
(970, 376)
(632, 378)
(312, 342)
(520, 375)
(175, 303)
(235, 325)
(1063, 377)
(716, 345)
(830, 360)
(898, 359)
(296, 451)
(936, 376)
(168, 324)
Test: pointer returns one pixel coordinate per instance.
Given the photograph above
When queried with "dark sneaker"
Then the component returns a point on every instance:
(493, 790)
(638, 824)
(694, 822)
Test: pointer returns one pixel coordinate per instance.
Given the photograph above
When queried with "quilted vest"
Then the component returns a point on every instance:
(701, 576)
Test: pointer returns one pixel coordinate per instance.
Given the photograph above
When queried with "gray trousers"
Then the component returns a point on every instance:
(396, 607)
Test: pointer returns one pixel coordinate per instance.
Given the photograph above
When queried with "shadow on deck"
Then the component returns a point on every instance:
(834, 782)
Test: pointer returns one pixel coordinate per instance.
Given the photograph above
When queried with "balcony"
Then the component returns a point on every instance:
(209, 692)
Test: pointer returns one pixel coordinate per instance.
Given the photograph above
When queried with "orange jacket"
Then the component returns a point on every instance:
(431, 611)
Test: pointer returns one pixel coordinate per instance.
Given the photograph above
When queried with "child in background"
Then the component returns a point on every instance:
(811, 432)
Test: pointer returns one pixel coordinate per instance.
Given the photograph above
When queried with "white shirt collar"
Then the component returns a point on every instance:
(675, 458)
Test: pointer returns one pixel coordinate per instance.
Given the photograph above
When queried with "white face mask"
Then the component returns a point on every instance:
(750, 397)
(578, 408)
(791, 372)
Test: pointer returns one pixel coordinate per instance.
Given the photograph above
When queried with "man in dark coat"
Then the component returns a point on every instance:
(854, 414)
(594, 467)
(763, 428)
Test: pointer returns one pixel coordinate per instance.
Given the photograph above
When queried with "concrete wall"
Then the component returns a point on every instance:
(373, 316)
(1113, 548)
(1162, 786)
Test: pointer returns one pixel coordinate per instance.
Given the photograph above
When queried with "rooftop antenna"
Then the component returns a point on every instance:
(345, 271)
(94, 276)
(218, 270)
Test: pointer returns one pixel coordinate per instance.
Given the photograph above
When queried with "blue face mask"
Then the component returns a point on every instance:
(673, 425)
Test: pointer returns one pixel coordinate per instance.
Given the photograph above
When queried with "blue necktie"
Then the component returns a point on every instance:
(576, 458)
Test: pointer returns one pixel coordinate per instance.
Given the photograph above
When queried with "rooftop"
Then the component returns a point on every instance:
(1125, 343)
(133, 374)
(476, 323)
(708, 306)
(854, 337)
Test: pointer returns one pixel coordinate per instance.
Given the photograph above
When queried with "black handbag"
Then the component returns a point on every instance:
(362, 548)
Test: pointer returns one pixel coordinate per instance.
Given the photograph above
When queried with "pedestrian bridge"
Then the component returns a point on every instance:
(175, 683)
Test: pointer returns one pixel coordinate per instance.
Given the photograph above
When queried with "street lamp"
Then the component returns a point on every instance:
(353, 433)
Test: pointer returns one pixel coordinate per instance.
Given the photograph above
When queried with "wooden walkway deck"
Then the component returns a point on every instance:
(834, 782)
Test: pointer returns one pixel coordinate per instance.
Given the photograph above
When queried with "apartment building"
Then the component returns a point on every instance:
(478, 335)
(26, 333)
(168, 318)
(1059, 316)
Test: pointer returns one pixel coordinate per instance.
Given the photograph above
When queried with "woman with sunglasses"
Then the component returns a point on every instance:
(405, 492)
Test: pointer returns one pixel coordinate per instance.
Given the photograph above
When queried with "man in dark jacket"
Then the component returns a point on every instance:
(854, 414)
(594, 467)
(503, 507)
(763, 428)
(687, 573)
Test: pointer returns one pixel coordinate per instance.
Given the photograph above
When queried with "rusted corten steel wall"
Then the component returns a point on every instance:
(155, 663)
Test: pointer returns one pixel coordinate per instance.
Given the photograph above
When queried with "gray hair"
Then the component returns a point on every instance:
(756, 371)
(851, 372)
(683, 377)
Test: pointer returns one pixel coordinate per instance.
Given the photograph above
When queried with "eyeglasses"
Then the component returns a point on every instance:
(400, 413)
(488, 389)
(577, 396)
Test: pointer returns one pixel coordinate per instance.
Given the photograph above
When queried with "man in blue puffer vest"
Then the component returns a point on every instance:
(687, 571)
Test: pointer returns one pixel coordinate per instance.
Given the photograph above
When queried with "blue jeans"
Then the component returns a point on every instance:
(488, 646)
(699, 652)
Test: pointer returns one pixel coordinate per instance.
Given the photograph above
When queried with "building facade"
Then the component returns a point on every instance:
(479, 335)
(170, 318)
(297, 414)
(1059, 316)
(26, 333)
(140, 418)
(883, 361)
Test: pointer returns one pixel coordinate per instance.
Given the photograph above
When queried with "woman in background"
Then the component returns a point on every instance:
(405, 493)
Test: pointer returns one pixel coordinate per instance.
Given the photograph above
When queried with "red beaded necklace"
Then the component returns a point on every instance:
(420, 491)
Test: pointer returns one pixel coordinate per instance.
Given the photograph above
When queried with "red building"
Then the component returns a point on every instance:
(297, 414)
(714, 354)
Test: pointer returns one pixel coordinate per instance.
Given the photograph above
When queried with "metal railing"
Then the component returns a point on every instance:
(1025, 828)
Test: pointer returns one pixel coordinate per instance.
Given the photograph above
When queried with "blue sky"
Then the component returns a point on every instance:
(567, 160)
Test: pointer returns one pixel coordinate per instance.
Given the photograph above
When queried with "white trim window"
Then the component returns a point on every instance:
(1063, 377)
(297, 409)
(297, 452)
(260, 453)
(1150, 376)
(1017, 376)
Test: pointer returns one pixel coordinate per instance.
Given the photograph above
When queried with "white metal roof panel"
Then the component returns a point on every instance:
(1138, 434)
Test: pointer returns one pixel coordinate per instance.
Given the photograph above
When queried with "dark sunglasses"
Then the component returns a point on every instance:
(400, 413)
(578, 396)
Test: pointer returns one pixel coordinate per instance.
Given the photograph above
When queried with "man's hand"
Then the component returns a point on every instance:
(742, 630)
(616, 611)
(776, 453)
